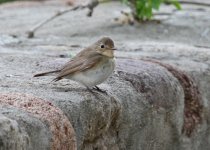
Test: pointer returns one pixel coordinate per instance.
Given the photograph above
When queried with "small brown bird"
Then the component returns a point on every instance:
(90, 67)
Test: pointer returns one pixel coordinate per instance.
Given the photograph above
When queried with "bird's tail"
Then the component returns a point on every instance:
(46, 73)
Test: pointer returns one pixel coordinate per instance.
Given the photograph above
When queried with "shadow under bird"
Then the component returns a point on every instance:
(90, 67)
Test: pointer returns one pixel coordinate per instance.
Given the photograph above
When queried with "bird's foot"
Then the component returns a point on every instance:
(98, 89)
(89, 89)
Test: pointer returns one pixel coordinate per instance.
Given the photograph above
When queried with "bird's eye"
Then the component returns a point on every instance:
(102, 46)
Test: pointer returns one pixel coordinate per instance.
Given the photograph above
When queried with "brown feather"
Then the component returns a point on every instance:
(46, 73)
(79, 63)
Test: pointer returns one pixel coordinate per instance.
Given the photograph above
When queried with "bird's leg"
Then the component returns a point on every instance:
(90, 90)
(98, 89)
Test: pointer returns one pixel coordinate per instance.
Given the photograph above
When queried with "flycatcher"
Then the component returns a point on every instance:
(90, 67)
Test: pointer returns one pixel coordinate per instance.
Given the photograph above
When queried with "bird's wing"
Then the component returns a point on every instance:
(79, 63)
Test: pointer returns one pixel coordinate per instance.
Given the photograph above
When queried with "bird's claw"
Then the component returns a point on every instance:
(100, 90)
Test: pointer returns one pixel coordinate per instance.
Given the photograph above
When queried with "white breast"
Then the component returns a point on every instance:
(97, 75)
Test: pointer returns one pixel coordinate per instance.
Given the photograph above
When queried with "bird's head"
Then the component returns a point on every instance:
(105, 46)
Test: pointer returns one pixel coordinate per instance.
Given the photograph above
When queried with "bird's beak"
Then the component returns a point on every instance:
(114, 49)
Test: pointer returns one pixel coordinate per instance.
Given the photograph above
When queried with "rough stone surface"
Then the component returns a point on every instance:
(36, 134)
(11, 135)
(63, 136)
(148, 103)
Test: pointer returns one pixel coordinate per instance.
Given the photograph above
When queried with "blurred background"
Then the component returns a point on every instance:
(185, 22)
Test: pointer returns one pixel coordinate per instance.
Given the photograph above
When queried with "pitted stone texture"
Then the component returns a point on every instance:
(95, 118)
(193, 105)
(11, 135)
(63, 136)
(155, 98)
(37, 132)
